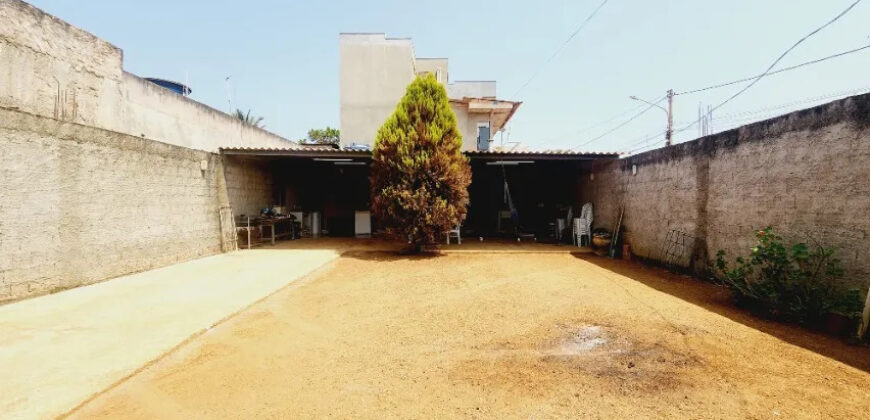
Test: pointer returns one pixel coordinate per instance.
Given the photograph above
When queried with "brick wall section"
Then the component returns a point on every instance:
(806, 174)
(249, 185)
(80, 205)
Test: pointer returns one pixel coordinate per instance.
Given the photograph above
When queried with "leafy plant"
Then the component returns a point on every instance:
(327, 135)
(798, 283)
(419, 177)
(249, 119)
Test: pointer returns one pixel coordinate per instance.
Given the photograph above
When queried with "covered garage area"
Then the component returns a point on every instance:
(513, 193)
(523, 193)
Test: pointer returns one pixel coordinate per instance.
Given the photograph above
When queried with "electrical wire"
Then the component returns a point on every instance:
(590, 127)
(646, 138)
(623, 124)
(559, 50)
(775, 62)
(797, 66)
(798, 102)
(753, 79)
(738, 119)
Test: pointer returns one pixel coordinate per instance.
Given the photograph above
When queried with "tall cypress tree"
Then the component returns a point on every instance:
(419, 177)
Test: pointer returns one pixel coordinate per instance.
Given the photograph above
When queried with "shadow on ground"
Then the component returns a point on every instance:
(717, 299)
(389, 255)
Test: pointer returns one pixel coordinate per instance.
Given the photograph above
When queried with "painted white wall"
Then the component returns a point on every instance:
(471, 89)
(467, 123)
(374, 73)
(435, 66)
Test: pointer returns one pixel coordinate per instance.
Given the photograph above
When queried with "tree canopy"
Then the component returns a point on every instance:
(327, 135)
(419, 176)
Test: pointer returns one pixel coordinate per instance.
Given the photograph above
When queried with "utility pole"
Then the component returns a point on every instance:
(670, 133)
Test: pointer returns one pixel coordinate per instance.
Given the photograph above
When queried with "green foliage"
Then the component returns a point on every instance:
(249, 119)
(327, 135)
(419, 177)
(797, 283)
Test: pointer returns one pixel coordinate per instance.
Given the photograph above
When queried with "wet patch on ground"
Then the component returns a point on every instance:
(580, 356)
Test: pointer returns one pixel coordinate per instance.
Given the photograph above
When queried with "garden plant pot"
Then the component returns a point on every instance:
(600, 242)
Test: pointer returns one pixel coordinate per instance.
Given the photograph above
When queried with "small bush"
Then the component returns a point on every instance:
(796, 283)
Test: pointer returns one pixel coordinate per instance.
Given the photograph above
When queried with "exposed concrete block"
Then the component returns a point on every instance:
(806, 174)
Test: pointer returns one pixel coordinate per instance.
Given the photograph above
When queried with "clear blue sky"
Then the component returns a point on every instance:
(283, 56)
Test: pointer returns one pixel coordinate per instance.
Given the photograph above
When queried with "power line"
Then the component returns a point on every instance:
(647, 146)
(731, 121)
(775, 72)
(562, 47)
(745, 80)
(769, 68)
(646, 138)
(797, 102)
(642, 149)
(623, 124)
(727, 117)
(590, 127)
(739, 119)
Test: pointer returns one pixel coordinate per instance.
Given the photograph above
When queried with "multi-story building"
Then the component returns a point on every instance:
(374, 72)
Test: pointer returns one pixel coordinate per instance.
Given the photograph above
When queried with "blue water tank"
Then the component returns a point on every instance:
(169, 84)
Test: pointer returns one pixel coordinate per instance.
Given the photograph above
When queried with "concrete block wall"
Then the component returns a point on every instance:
(81, 204)
(94, 182)
(53, 69)
(249, 185)
(806, 174)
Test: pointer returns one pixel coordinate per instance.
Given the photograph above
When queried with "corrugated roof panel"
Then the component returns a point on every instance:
(345, 151)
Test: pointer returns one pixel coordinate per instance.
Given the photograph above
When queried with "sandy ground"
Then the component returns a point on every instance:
(58, 350)
(496, 334)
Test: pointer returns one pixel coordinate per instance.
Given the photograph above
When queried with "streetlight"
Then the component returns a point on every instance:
(668, 112)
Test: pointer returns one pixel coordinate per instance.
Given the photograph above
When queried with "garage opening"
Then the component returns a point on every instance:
(522, 196)
(512, 195)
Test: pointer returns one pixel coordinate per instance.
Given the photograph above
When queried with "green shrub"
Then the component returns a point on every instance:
(419, 177)
(797, 283)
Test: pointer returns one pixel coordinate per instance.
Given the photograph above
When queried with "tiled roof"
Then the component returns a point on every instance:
(547, 152)
(293, 148)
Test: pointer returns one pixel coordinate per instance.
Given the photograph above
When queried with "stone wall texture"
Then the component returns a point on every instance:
(806, 174)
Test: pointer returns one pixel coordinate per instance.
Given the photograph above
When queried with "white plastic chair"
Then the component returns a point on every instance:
(575, 231)
(454, 232)
(583, 225)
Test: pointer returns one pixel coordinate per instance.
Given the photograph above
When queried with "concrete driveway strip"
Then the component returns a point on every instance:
(58, 350)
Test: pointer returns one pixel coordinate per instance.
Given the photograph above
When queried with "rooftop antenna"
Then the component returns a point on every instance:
(705, 120)
(229, 95)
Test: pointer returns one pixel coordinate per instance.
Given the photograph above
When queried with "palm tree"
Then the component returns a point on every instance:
(247, 118)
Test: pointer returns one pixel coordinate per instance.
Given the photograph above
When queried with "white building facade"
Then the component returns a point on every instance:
(374, 72)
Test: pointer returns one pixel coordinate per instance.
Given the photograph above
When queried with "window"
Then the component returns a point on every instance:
(483, 135)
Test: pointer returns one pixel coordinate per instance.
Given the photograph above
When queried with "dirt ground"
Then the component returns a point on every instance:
(496, 334)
